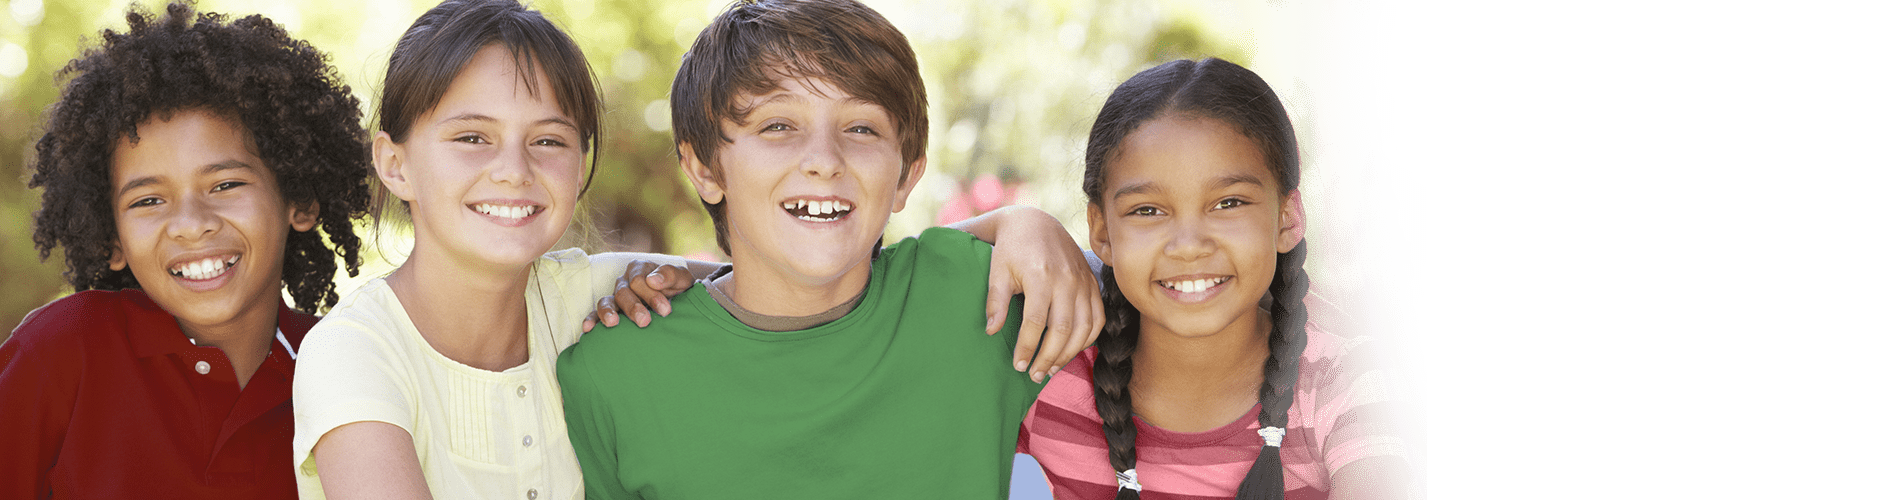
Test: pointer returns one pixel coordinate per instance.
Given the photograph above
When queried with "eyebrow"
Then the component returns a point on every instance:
(1236, 179)
(207, 169)
(476, 117)
(1151, 188)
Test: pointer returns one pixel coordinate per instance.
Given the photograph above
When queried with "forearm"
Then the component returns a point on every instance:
(991, 225)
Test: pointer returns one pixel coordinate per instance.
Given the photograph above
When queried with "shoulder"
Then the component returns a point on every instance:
(1073, 387)
(1065, 410)
(939, 248)
(607, 346)
(70, 322)
(364, 322)
(295, 324)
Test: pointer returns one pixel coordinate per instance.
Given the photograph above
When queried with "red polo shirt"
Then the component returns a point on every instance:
(102, 396)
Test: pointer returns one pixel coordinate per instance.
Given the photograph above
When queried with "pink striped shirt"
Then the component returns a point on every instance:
(1336, 418)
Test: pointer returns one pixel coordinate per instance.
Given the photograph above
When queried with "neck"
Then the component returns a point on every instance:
(475, 315)
(245, 339)
(1197, 383)
(778, 290)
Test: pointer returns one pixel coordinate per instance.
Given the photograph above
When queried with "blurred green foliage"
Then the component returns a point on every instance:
(1013, 88)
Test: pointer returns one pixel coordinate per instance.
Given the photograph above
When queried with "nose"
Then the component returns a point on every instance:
(1189, 239)
(193, 219)
(823, 157)
(513, 167)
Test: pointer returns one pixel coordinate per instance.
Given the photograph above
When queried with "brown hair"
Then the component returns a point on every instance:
(746, 49)
(440, 44)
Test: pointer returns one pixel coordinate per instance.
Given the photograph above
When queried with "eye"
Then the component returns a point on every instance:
(471, 139)
(861, 129)
(1229, 203)
(550, 142)
(1145, 211)
(144, 202)
(227, 185)
(776, 127)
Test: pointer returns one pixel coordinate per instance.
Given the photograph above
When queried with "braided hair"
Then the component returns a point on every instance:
(1217, 89)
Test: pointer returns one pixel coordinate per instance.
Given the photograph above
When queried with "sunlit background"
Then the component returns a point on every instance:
(1013, 86)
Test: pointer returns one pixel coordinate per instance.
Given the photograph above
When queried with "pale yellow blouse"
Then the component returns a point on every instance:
(478, 433)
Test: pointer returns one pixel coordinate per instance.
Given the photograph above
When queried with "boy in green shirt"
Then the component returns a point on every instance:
(840, 370)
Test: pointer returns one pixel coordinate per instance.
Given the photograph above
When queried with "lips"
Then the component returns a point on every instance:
(204, 268)
(817, 210)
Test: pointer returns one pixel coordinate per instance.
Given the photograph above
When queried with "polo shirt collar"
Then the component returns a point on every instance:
(154, 332)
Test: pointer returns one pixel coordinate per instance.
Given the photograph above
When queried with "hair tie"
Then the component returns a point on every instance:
(1272, 435)
(1126, 480)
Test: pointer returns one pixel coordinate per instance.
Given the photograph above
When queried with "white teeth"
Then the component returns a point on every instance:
(816, 210)
(204, 269)
(1194, 286)
(508, 212)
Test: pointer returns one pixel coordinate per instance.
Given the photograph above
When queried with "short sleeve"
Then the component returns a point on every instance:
(39, 381)
(1354, 406)
(347, 373)
(590, 427)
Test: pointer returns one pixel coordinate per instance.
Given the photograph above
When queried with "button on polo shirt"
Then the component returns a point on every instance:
(105, 397)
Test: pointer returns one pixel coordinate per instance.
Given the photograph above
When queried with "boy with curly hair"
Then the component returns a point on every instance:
(185, 170)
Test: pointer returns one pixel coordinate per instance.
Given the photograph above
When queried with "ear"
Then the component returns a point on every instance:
(303, 217)
(390, 161)
(1292, 222)
(911, 177)
(1098, 234)
(117, 260)
(704, 178)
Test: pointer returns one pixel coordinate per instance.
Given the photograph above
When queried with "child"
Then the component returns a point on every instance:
(438, 380)
(842, 370)
(1192, 176)
(185, 167)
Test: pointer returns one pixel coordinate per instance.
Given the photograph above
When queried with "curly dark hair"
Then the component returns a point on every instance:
(307, 127)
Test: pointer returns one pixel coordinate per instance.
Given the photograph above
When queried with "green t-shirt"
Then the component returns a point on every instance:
(904, 397)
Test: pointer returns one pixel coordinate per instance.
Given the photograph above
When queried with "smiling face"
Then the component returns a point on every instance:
(809, 180)
(201, 221)
(1192, 219)
(492, 174)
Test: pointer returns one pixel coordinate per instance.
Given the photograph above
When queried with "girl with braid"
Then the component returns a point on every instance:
(1208, 380)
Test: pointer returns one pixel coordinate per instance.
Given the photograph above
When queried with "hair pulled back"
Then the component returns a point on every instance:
(1214, 89)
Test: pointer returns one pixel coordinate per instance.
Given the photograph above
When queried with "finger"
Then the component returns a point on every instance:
(1035, 316)
(626, 300)
(604, 309)
(669, 281)
(1085, 331)
(996, 305)
(647, 295)
(587, 325)
(672, 279)
(641, 318)
(1061, 327)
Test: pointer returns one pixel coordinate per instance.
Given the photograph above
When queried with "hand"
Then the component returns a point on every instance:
(647, 285)
(1035, 257)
